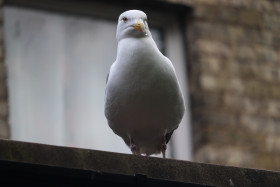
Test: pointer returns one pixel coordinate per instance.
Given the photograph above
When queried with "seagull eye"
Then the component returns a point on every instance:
(124, 19)
(145, 19)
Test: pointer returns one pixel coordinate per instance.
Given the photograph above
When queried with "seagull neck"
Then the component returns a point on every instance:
(131, 46)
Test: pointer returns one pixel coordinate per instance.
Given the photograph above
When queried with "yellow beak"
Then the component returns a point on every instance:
(139, 26)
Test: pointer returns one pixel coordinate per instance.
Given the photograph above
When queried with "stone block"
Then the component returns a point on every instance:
(271, 108)
(226, 155)
(265, 38)
(272, 22)
(205, 12)
(236, 135)
(236, 33)
(249, 17)
(244, 36)
(233, 102)
(218, 118)
(232, 68)
(269, 73)
(209, 30)
(276, 5)
(222, 135)
(239, 104)
(208, 99)
(214, 48)
(257, 89)
(258, 124)
(263, 6)
(275, 91)
(209, 82)
(236, 85)
(265, 160)
(237, 3)
(251, 106)
(266, 55)
(206, 2)
(246, 53)
(211, 64)
(228, 15)
(273, 144)
(249, 71)
(276, 43)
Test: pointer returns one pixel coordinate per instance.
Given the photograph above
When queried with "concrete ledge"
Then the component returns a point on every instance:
(175, 170)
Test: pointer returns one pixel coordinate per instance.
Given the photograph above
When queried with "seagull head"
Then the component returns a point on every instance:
(132, 23)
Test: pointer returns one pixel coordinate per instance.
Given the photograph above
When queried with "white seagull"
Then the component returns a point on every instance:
(143, 99)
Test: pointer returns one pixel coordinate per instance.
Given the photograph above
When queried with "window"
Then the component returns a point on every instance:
(57, 65)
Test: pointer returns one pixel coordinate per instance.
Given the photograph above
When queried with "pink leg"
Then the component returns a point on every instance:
(134, 149)
(163, 147)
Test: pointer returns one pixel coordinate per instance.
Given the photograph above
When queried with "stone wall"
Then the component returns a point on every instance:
(234, 74)
(4, 127)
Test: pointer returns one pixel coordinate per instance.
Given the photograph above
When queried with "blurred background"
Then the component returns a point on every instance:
(55, 56)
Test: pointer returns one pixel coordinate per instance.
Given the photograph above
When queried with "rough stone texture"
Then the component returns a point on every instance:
(152, 167)
(234, 75)
(4, 126)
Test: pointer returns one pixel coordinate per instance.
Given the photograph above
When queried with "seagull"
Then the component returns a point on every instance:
(143, 99)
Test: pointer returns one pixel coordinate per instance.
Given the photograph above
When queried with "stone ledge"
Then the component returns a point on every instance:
(168, 169)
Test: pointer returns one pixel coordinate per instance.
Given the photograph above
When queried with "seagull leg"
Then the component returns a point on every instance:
(163, 147)
(134, 149)
(163, 150)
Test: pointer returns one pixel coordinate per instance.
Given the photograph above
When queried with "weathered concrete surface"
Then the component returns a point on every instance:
(130, 164)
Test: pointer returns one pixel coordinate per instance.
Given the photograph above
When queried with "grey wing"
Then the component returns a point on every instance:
(107, 80)
(107, 76)
(168, 136)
